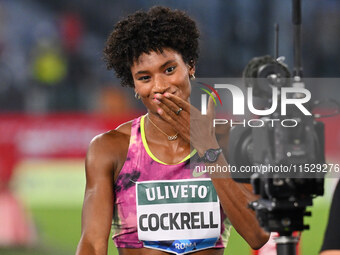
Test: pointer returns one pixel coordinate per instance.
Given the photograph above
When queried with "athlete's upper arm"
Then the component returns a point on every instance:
(101, 160)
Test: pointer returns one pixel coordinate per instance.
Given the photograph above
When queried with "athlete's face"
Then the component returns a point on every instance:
(159, 73)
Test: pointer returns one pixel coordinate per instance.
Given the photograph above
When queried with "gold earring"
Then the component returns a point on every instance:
(137, 96)
(192, 77)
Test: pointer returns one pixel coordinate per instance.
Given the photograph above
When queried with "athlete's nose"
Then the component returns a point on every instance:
(160, 84)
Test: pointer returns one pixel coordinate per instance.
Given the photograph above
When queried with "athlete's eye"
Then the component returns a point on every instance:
(144, 78)
(170, 69)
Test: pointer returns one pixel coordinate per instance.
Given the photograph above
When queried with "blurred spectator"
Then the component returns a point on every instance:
(113, 101)
(8, 160)
(49, 65)
(16, 227)
(71, 30)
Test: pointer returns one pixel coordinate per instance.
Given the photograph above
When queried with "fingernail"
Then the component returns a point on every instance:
(156, 101)
(160, 111)
(158, 96)
(167, 94)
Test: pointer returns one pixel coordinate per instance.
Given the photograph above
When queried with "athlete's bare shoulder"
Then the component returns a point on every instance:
(114, 140)
(110, 148)
(125, 128)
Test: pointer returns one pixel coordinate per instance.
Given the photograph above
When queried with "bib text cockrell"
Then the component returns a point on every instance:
(179, 221)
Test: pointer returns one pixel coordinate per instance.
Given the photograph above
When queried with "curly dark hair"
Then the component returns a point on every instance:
(143, 32)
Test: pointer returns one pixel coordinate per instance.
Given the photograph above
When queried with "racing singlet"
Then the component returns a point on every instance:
(162, 206)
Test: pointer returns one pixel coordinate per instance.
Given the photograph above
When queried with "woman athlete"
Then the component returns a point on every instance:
(138, 176)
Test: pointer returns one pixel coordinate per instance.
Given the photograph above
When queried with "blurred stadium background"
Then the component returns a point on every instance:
(56, 94)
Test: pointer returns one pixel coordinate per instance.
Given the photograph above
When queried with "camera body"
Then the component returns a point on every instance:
(278, 153)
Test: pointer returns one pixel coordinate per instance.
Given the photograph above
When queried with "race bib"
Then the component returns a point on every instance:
(178, 216)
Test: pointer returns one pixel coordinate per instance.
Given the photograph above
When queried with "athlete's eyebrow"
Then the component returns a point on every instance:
(161, 67)
(168, 62)
(142, 72)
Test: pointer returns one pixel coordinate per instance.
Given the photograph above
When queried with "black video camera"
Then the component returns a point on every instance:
(277, 155)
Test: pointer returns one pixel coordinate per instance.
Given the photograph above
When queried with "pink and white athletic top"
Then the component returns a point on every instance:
(162, 206)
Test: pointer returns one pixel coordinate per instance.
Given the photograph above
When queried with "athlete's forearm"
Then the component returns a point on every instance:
(234, 198)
